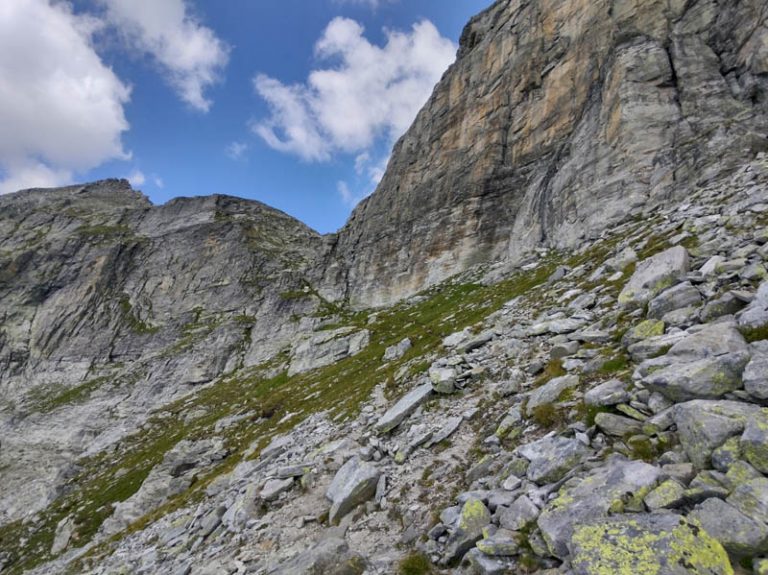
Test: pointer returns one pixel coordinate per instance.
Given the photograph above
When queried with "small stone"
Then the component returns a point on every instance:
(443, 379)
(755, 375)
(275, 487)
(683, 295)
(398, 350)
(403, 408)
(644, 330)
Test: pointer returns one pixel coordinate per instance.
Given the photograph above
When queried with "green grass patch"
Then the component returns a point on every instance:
(415, 564)
(753, 334)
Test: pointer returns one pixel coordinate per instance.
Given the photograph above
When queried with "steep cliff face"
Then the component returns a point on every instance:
(110, 307)
(557, 119)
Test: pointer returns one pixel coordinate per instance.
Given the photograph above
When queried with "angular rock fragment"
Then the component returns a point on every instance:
(353, 484)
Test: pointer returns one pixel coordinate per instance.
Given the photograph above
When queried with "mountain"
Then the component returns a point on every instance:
(539, 347)
(557, 120)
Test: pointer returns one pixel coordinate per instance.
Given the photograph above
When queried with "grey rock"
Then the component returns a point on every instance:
(607, 393)
(519, 514)
(726, 304)
(550, 391)
(503, 543)
(482, 564)
(327, 347)
(474, 517)
(584, 499)
(756, 313)
(668, 495)
(398, 350)
(705, 425)
(403, 408)
(708, 378)
(655, 274)
(64, 530)
(741, 535)
(755, 376)
(552, 457)
(659, 543)
(754, 440)
(443, 379)
(751, 498)
(275, 487)
(680, 296)
(330, 556)
(353, 484)
(617, 425)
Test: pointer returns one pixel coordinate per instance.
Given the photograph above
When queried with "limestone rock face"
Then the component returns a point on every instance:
(556, 120)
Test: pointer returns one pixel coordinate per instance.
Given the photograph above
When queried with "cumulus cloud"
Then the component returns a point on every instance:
(366, 92)
(191, 54)
(137, 178)
(236, 150)
(61, 108)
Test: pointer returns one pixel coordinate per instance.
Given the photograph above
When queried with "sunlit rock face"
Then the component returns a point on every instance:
(557, 119)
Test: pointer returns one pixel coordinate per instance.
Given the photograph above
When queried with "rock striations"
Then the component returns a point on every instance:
(541, 346)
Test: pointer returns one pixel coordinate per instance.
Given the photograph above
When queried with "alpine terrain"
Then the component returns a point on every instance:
(541, 346)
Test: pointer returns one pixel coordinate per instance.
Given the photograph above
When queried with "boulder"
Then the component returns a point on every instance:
(754, 440)
(704, 425)
(403, 408)
(443, 379)
(550, 391)
(607, 393)
(655, 274)
(503, 543)
(586, 498)
(740, 534)
(353, 484)
(398, 350)
(474, 517)
(680, 296)
(552, 457)
(274, 488)
(755, 315)
(708, 378)
(521, 513)
(755, 376)
(330, 556)
(617, 425)
(659, 543)
(751, 498)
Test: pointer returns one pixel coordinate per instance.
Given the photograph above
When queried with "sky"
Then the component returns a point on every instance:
(295, 103)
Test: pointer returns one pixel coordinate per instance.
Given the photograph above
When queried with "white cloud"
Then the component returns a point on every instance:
(348, 198)
(191, 54)
(369, 92)
(159, 183)
(137, 178)
(61, 108)
(236, 150)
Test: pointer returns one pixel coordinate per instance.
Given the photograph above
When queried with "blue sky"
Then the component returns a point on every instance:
(295, 103)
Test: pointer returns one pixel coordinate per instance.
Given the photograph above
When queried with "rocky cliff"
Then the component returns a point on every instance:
(557, 120)
(209, 386)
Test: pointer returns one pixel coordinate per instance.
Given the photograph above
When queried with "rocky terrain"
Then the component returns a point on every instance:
(540, 347)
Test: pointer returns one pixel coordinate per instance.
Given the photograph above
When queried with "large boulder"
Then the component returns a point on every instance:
(741, 535)
(592, 497)
(655, 274)
(708, 378)
(353, 484)
(633, 544)
(704, 425)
